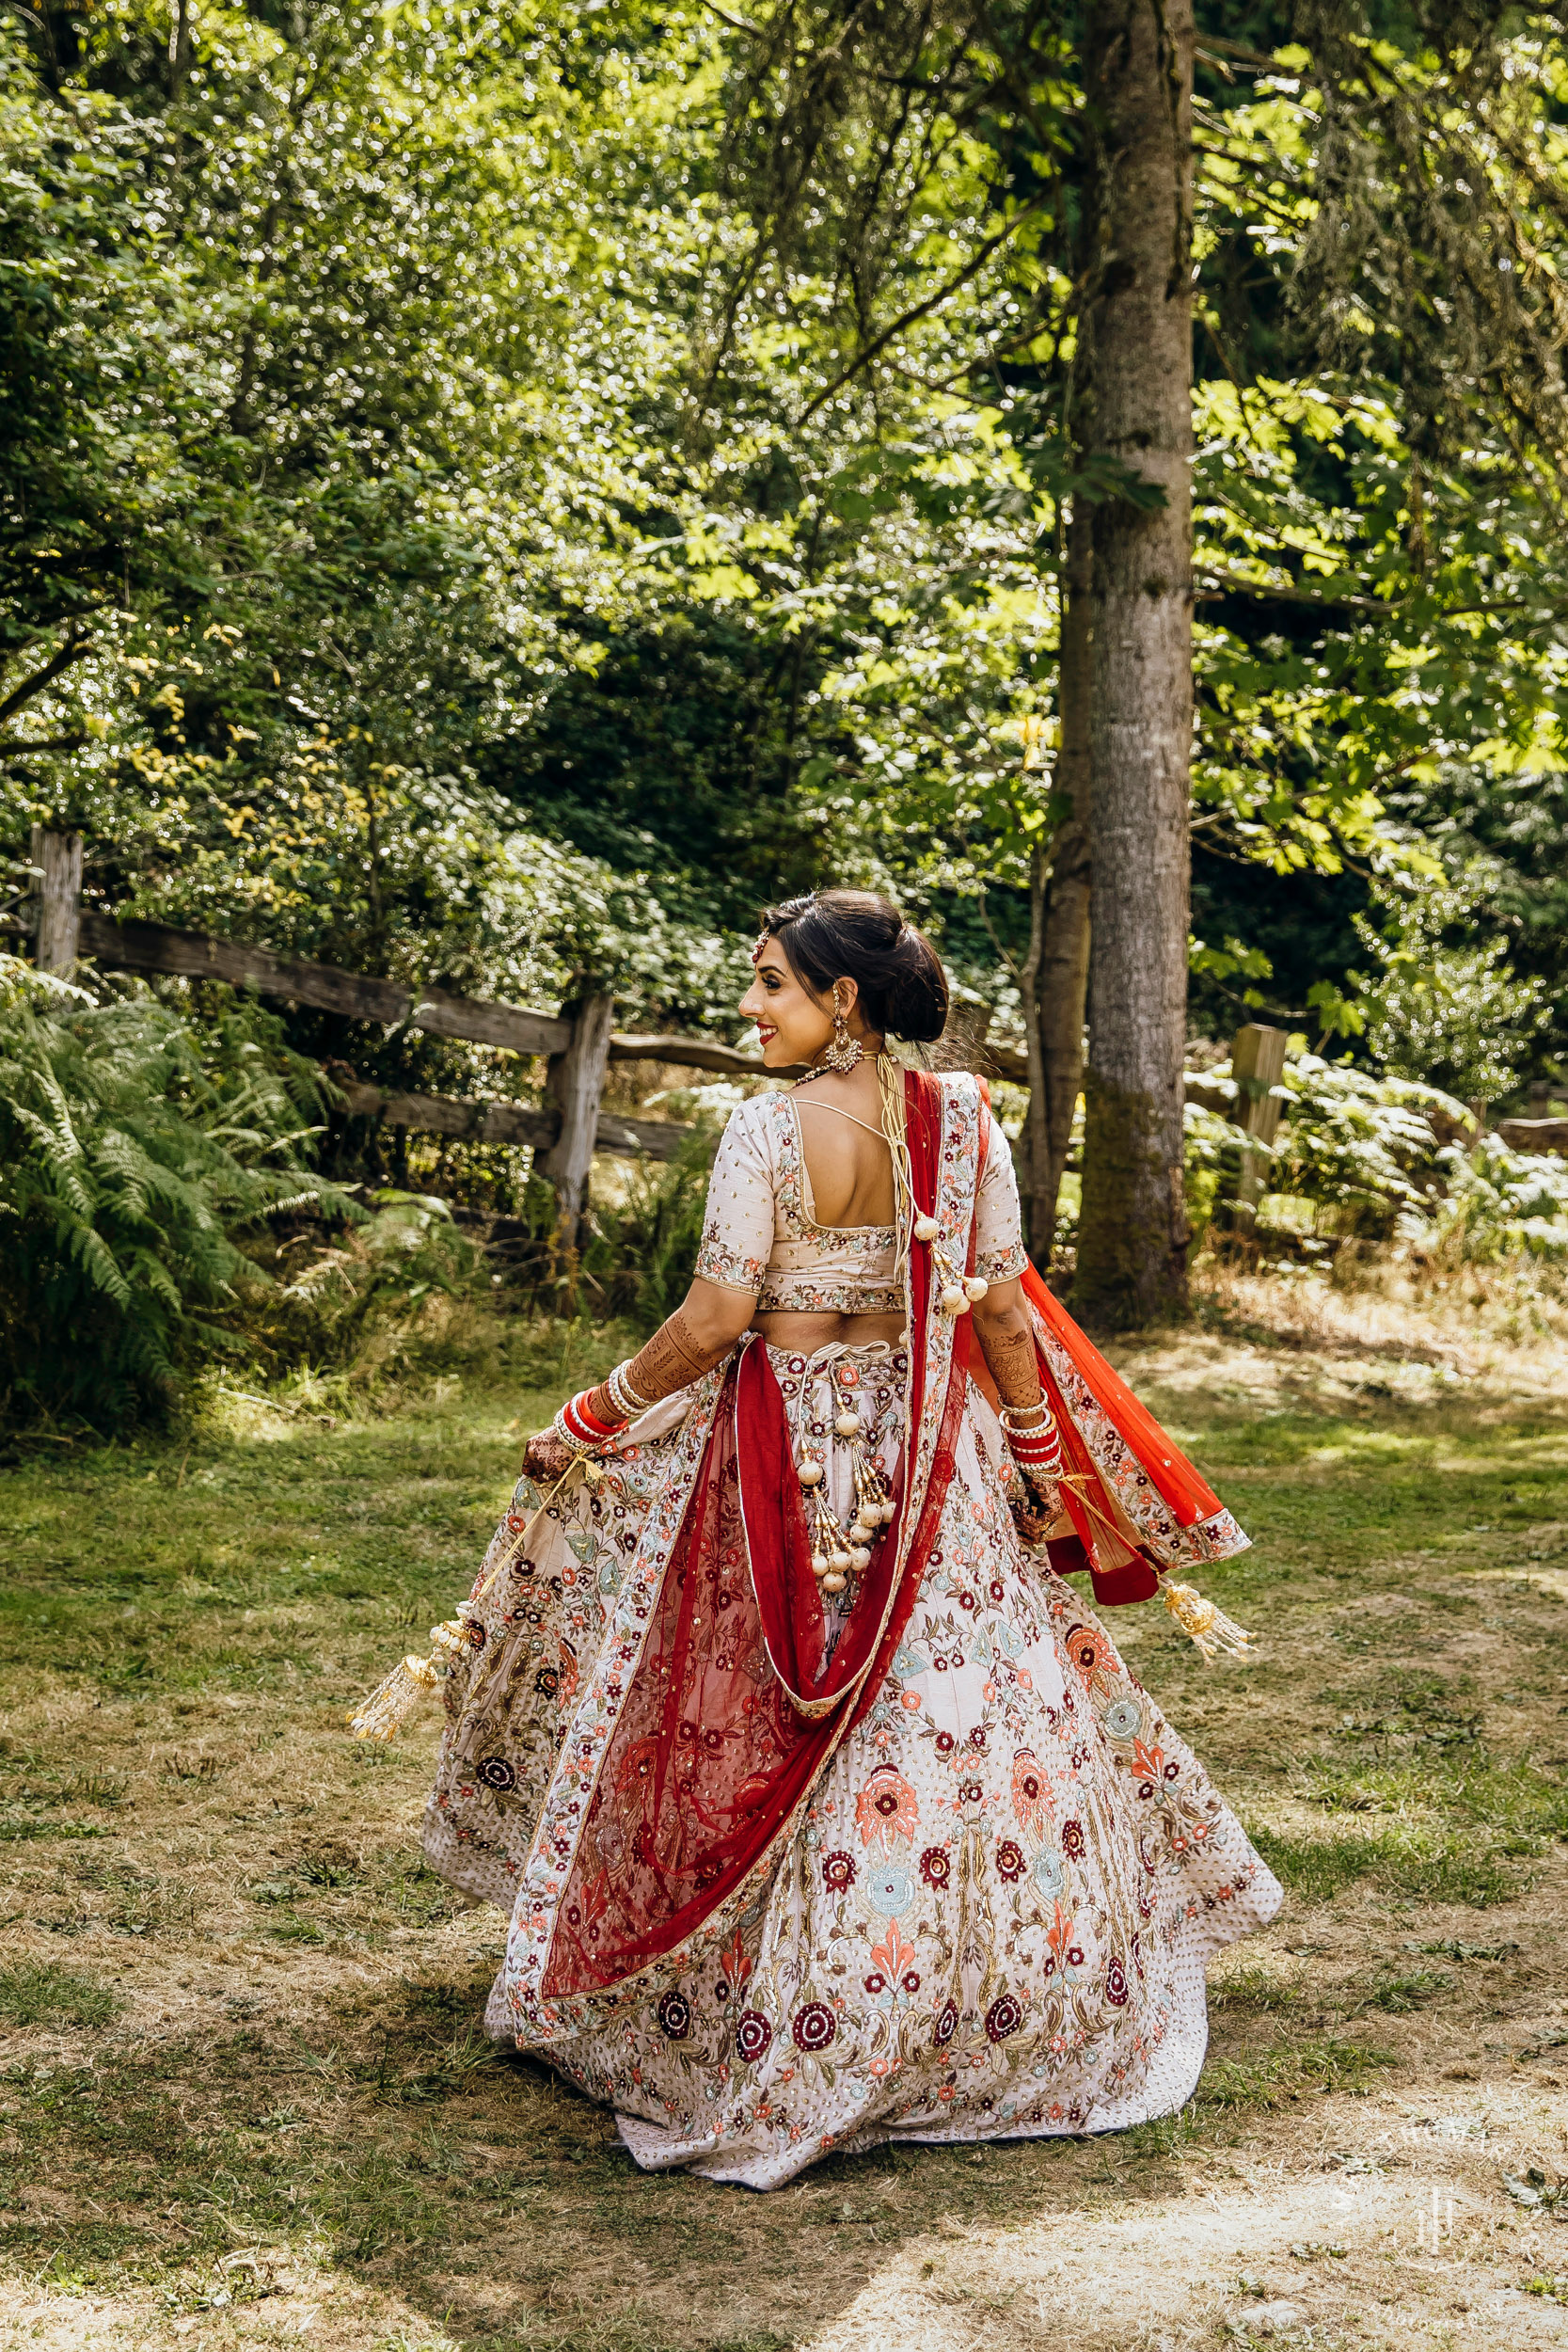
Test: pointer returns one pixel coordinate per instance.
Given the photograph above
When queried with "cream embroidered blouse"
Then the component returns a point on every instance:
(761, 1234)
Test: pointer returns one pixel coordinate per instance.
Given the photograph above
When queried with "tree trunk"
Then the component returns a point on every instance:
(1055, 971)
(1064, 962)
(1133, 1235)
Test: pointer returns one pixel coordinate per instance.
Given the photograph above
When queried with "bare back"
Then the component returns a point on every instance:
(848, 1170)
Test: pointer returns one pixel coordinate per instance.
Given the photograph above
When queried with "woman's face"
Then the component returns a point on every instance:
(791, 1023)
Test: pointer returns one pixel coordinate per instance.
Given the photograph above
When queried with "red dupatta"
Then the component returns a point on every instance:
(731, 1707)
(1136, 1503)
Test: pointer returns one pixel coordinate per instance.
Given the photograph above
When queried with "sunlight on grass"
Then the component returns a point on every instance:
(181, 1631)
(1289, 2071)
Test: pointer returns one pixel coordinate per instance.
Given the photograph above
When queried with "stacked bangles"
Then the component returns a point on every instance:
(1036, 1450)
(581, 1430)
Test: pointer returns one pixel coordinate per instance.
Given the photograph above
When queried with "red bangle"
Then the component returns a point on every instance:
(585, 1426)
(1036, 1455)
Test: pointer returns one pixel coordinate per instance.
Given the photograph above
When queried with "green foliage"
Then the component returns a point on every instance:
(33, 1993)
(652, 1237)
(374, 1280)
(1499, 1204)
(1452, 1013)
(1363, 1148)
(133, 1147)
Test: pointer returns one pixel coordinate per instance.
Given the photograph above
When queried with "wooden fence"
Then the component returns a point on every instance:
(577, 1044)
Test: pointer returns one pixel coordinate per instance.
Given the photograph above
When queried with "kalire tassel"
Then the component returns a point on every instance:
(390, 1703)
(383, 1715)
(1211, 1630)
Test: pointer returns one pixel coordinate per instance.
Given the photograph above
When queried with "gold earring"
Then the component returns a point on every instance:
(844, 1051)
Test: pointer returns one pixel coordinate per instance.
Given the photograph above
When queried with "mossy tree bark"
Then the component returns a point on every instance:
(1132, 1234)
(1056, 975)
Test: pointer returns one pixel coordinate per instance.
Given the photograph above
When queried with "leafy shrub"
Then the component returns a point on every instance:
(133, 1147)
(1438, 1002)
(653, 1235)
(1367, 1146)
(1362, 1147)
(637, 1259)
(1499, 1204)
(377, 1276)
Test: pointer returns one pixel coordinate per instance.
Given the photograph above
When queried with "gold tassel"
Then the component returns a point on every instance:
(1207, 1623)
(391, 1703)
(383, 1715)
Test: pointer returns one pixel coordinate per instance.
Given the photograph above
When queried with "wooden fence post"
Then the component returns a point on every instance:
(575, 1083)
(59, 892)
(1256, 1064)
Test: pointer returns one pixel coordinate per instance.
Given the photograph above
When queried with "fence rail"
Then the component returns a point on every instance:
(576, 1044)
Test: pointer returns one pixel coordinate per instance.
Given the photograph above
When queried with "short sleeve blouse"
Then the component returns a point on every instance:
(760, 1232)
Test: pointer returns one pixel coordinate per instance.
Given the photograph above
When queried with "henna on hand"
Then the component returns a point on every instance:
(547, 1459)
(671, 1360)
(1007, 1345)
(1031, 1517)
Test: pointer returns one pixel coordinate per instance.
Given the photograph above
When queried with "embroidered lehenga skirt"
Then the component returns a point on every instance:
(992, 1916)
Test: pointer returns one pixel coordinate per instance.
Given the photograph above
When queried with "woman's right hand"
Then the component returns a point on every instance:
(547, 1458)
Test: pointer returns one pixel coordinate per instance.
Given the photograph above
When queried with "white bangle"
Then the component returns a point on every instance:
(623, 1394)
(574, 1445)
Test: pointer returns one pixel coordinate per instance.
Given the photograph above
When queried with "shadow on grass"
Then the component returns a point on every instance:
(478, 2189)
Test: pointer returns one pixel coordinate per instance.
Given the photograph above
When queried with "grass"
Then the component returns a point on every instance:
(32, 1994)
(1291, 2070)
(242, 2075)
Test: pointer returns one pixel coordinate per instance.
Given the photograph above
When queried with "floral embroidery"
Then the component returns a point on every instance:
(888, 1891)
(894, 1959)
(815, 2027)
(753, 2036)
(1091, 1653)
(886, 1808)
(1050, 1876)
(496, 1773)
(882, 1986)
(1004, 2017)
(674, 2015)
(1030, 1798)
(730, 1269)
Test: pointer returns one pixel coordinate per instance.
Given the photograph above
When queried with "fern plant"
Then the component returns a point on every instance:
(135, 1148)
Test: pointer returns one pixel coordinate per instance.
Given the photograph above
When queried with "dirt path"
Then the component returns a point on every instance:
(244, 2099)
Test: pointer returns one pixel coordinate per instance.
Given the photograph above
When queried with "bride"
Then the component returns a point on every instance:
(824, 1810)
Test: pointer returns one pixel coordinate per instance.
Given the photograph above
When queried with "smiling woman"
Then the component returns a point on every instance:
(825, 1812)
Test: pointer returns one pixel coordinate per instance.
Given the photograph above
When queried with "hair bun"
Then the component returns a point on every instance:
(917, 989)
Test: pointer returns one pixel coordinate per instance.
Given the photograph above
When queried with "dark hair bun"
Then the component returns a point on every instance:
(855, 935)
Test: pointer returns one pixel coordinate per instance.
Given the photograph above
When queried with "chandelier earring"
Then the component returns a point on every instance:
(844, 1051)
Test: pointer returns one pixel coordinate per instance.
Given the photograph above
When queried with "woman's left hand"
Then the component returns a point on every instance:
(1035, 1508)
